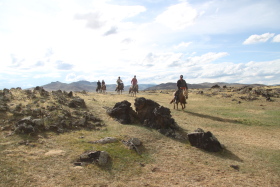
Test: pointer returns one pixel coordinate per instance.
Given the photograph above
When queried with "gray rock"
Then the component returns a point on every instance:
(103, 158)
(98, 157)
(106, 140)
(135, 141)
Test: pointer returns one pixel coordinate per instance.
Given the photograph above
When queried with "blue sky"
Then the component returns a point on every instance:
(156, 40)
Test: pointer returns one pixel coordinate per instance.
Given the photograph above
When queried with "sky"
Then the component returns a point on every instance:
(44, 41)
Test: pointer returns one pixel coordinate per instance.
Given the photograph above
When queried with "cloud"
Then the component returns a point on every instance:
(178, 16)
(215, 17)
(205, 58)
(182, 44)
(258, 38)
(160, 61)
(127, 41)
(15, 61)
(47, 75)
(72, 77)
(39, 64)
(93, 20)
(149, 60)
(113, 30)
(63, 66)
(104, 14)
(276, 38)
(174, 64)
(49, 52)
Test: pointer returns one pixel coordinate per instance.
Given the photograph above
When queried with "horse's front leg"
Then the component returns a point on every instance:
(183, 106)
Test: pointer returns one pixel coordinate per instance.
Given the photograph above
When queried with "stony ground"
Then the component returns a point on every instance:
(43, 153)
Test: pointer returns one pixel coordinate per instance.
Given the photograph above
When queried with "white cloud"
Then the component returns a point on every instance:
(206, 58)
(235, 16)
(276, 38)
(106, 15)
(178, 16)
(72, 77)
(47, 75)
(258, 38)
(182, 44)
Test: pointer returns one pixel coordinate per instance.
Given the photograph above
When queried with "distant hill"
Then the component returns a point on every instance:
(170, 86)
(91, 86)
(87, 86)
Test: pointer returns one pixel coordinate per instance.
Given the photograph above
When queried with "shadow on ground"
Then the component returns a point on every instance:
(226, 154)
(214, 118)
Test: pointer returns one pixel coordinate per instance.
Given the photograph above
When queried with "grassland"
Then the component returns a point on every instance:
(249, 131)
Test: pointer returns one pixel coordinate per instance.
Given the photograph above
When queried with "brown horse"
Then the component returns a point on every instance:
(103, 89)
(181, 98)
(120, 88)
(133, 90)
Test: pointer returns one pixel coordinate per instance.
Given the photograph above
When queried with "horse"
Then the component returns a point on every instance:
(98, 89)
(133, 89)
(181, 98)
(119, 88)
(103, 89)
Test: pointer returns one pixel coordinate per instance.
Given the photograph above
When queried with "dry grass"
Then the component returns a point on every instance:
(249, 131)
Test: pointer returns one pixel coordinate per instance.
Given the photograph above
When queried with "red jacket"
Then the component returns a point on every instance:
(134, 81)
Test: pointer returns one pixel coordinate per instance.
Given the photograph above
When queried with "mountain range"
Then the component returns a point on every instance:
(91, 86)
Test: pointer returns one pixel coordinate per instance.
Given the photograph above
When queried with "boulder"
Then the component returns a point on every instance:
(133, 143)
(204, 140)
(153, 115)
(98, 157)
(77, 103)
(122, 112)
(216, 86)
(41, 91)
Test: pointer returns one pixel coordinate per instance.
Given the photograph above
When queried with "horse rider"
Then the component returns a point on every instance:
(181, 85)
(134, 83)
(103, 83)
(119, 82)
(98, 85)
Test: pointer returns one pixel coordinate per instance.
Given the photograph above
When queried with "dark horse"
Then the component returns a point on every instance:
(98, 89)
(181, 98)
(133, 90)
(120, 88)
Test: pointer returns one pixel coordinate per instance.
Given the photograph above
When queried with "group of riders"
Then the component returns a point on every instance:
(181, 85)
(120, 86)
(100, 86)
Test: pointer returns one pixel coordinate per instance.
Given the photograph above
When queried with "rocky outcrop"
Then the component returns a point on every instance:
(148, 113)
(204, 140)
(122, 112)
(31, 112)
(153, 115)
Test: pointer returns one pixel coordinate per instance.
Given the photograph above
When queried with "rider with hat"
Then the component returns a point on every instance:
(119, 82)
(182, 85)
